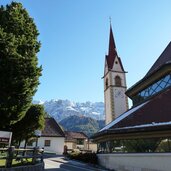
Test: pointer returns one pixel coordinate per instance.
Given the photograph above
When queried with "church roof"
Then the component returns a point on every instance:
(112, 52)
(150, 115)
(52, 129)
(160, 67)
(163, 59)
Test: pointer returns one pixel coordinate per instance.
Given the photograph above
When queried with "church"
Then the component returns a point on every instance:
(139, 138)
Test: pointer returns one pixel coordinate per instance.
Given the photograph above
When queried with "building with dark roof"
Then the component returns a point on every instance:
(143, 129)
(52, 129)
(76, 140)
(79, 140)
(51, 138)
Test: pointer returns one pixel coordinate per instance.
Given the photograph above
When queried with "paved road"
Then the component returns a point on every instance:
(60, 164)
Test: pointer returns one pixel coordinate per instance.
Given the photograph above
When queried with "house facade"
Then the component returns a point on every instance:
(79, 141)
(51, 138)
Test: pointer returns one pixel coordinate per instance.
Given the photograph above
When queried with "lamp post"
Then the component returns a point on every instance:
(38, 134)
(87, 140)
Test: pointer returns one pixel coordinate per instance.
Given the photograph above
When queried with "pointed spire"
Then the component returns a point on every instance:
(112, 47)
(112, 53)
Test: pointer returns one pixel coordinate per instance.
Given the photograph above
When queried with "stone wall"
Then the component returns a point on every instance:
(136, 161)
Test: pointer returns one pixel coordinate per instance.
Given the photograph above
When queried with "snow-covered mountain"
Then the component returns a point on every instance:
(61, 109)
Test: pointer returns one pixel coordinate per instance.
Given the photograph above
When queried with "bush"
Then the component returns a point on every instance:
(84, 157)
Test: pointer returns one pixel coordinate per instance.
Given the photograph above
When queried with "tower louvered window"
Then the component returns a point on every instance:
(107, 84)
(117, 81)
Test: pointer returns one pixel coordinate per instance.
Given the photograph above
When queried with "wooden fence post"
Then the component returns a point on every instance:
(42, 154)
(10, 155)
(35, 150)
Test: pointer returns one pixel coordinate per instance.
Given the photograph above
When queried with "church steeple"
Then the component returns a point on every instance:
(112, 47)
(116, 101)
(112, 52)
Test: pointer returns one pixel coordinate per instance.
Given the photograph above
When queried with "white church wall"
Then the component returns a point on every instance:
(136, 161)
(108, 109)
(120, 104)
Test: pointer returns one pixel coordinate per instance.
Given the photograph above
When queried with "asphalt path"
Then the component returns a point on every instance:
(60, 164)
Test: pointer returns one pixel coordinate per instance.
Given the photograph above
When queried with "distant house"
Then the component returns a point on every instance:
(51, 138)
(75, 140)
(78, 140)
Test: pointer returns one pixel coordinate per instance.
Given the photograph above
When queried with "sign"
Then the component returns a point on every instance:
(5, 137)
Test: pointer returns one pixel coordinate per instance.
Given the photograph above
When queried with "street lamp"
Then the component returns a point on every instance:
(87, 140)
(38, 134)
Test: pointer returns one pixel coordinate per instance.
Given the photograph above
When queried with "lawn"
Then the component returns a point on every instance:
(15, 162)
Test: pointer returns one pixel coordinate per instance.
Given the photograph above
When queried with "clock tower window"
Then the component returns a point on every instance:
(118, 81)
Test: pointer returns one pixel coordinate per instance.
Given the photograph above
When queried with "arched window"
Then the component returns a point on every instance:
(117, 81)
(107, 84)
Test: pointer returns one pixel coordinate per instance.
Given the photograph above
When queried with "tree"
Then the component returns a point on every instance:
(33, 120)
(19, 70)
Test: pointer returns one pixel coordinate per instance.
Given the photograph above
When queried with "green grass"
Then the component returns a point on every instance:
(16, 163)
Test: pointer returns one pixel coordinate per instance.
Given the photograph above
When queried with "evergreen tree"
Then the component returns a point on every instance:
(19, 70)
(33, 120)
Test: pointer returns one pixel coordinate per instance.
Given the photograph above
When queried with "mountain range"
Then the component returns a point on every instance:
(86, 117)
(61, 109)
(82, 124)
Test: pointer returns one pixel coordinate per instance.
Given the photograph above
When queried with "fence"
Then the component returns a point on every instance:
(9, 154)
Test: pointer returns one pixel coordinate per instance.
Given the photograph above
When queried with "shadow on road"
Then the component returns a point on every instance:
(59, 163)
(66, 167)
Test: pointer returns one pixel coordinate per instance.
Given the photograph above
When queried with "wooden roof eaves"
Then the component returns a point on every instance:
(145, 132)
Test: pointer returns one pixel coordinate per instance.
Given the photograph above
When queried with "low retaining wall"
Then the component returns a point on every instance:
(136, 161)
(36, 167)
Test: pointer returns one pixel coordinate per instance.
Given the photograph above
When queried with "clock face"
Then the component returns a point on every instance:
(119, 93)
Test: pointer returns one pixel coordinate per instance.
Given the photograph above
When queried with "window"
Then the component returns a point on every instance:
(117, 81)
(141, 145)
(153, 89)
(47, 143)
(107, 83)
(80, 141)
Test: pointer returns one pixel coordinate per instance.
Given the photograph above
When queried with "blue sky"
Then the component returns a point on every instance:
(74, 36)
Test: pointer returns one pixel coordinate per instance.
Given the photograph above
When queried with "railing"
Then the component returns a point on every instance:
(11, 153)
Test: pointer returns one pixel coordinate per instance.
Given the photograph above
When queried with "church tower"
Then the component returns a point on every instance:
(116, 102)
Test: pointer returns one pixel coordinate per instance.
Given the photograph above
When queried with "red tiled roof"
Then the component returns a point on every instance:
(52, 129)
(70, 135)
(163, 59)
